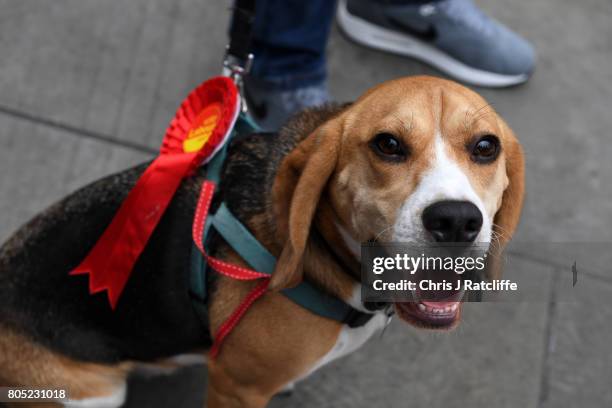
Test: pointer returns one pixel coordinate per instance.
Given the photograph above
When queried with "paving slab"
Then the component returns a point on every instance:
(579, 362)
(40, 165)
(118, 68)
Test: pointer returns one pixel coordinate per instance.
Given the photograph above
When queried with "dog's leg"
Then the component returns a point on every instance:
(25, 363)
(225, 390)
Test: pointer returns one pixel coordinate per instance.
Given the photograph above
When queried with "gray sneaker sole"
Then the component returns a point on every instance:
(374, 36)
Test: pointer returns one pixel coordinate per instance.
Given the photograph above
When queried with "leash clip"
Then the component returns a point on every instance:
(236, 68)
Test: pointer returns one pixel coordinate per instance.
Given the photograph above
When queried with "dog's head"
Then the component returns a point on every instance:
(414, 160)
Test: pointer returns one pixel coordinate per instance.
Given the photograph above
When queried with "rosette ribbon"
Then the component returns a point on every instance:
(201, 126)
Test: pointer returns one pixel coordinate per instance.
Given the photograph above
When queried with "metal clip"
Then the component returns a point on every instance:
(236, 68)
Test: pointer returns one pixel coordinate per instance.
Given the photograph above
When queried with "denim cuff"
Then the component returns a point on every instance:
(291, 80)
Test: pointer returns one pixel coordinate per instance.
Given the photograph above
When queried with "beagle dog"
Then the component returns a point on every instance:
(417, 159)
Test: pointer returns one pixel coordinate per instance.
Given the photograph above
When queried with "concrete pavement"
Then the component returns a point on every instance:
(87, 88)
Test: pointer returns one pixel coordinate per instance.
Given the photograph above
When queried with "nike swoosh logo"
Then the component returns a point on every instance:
(428, 34)
(260, 110)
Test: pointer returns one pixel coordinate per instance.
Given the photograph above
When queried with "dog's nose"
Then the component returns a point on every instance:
(452, 221)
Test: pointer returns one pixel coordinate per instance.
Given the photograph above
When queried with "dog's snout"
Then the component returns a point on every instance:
(452, 221)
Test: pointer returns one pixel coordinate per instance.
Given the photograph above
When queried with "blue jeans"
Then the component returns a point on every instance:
(289, 39)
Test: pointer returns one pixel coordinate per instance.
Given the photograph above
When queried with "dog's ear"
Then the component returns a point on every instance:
(298, 187)
(507, 217)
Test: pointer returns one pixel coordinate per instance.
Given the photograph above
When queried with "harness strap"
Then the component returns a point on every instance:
(258, 257)
(228, 269)
(224, 268)
(227, 326)
(242, 241)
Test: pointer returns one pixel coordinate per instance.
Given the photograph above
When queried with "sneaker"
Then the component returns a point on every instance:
(272, 107)
(454, 36)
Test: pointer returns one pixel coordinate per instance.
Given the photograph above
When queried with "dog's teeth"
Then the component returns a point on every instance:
(437, 310)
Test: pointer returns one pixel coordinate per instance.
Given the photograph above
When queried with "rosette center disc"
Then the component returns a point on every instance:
(204, 125)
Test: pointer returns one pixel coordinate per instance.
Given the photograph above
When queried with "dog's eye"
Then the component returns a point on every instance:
(485, 149)
(388, 147)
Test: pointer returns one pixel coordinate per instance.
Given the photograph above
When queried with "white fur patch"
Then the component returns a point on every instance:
(116, 399)
(170, 365)
(444, 180)
(186, 360)
(350, 339)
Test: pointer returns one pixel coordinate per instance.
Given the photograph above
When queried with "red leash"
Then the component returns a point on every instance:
(225, 268)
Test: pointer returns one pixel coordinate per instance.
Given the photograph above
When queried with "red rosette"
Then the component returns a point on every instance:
(201, 126)
(204, 119)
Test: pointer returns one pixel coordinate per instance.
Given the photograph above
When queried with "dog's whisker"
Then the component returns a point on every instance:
(382, 232)
(501, 232)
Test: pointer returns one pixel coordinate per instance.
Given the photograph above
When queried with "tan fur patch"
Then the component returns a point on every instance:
(37, 366)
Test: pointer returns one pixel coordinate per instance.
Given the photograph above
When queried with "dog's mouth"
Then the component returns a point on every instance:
(433, 313)
(426, 314)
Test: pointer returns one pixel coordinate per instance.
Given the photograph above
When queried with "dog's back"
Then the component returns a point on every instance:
(39, 298)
